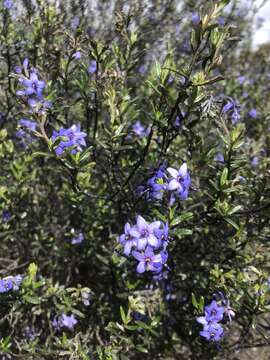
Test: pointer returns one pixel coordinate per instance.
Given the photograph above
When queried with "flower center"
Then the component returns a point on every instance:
(147, 259)
(145, 232)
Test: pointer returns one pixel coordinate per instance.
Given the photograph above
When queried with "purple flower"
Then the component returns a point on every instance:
(145, 233)
(17, 280)
(221, 20)
(92, 67)
(195, 18)
(228, 310)
(78, 239)
(72, 138)
(39, 106)
(255, 161)
(8, 4)
(213, 312)
(212, 332)
(127, 240)
(33, 86)
(28, 124)
(6, 215)
(180, 181)
(142, 69)
(253, 113)
(64, 321)
(157, 184)
(85, 297)
(147, 261)
(177, 122)
(77, 55)
(163, 235)
(30, 333)
(241, 79)
(6, 285)
(232, 108)
(75, 22)
(219, 158)
(140, 130)
(67, 321)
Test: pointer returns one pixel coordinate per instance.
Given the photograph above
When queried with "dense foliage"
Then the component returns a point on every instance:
(134, 184)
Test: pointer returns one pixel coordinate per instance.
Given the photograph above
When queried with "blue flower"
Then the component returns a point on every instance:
(68, 321)
(127, 240)
(8, 4)
(219, 158)
(212, 332)
(232, 108)
(253, 113)
(77, 55)
(92, 67)
(72, 139)
(148, 261)
(195, 18)
(75, 22)
(180, 181)
(157, 184)
(6, 285)
(6, 215)
(140, 130)
(28, 124)
(33, 86)
(77, 239)
(213, 312)
(144, 233)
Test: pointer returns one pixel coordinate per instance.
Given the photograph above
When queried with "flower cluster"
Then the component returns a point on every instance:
(71, 139)
(10, 283)
(150, 242)
(213, 314)
(33, 88)
(68, 321)
(178, 182)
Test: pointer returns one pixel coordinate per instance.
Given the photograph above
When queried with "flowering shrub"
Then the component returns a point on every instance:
(134, 184)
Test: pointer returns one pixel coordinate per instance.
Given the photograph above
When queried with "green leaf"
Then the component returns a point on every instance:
(194, 301)
(224, 177)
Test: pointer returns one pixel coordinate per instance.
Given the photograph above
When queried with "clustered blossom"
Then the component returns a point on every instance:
(147, 243)
(176, 181)
(232, 108)
(10, 283)
(71, 139)
(213, 314)
(33, 88)
(62, 321)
